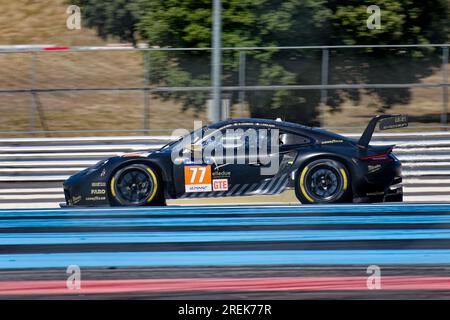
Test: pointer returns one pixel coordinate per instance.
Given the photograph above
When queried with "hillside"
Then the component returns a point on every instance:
(40, 22)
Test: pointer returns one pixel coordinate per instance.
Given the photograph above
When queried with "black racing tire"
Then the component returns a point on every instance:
(323, 181)
(136, 185)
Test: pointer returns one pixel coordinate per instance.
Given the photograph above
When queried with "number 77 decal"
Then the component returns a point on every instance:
(197, 178)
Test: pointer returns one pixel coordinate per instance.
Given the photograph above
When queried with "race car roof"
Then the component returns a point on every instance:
(257, 121)
(319, 133)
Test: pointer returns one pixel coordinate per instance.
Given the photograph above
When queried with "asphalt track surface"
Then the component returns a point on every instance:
(228, 251)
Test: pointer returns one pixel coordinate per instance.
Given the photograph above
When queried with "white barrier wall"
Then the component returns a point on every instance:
(32, 169)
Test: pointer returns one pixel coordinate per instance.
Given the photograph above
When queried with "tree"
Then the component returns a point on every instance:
(110, 18)
(187, 23)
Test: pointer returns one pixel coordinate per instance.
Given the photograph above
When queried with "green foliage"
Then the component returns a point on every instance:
(110, 17)
(187, 23)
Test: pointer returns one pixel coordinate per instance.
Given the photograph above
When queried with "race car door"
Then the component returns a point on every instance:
(235, 160)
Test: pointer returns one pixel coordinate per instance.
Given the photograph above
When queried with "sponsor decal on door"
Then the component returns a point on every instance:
(220, 184)
(197, 178)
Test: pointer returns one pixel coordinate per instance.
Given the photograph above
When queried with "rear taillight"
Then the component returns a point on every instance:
(385, 157)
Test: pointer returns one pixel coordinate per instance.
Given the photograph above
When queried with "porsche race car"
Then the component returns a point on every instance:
(219, 160)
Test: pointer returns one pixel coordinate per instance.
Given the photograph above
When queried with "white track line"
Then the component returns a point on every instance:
(425, 164)
(426, 181)
(60, 155)
(75, 139)
(70, 169)
(46, 178)
(107, 147)
(426, 189)
(49, 163)
(31, 196)
(423, 157)
(400, 150)
(434, 198)
(34, 205)
(415, 173)
(30, 190)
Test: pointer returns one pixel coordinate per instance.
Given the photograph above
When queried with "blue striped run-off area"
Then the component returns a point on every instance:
(257, 235)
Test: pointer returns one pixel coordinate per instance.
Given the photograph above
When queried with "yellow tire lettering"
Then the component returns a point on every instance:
(302, 187)
(155, 183)
(344, 175)
(113, 191)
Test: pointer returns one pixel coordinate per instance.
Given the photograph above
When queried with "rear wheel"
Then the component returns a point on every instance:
(323, 181)
(136, 185)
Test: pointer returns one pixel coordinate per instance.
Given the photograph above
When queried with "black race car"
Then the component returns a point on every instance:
(220, 161)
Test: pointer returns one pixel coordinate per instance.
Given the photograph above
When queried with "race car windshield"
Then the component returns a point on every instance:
(195, 136)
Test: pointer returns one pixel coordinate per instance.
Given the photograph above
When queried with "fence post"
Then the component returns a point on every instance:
(147, 89)
(32, 111)
(444, 87)
(216, 68)
(323, 91)
(242, 63)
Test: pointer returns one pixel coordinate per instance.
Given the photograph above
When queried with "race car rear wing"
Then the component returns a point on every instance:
(386, 122)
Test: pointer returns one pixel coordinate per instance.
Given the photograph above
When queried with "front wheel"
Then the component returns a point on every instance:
(136, 185)
(323, 181)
